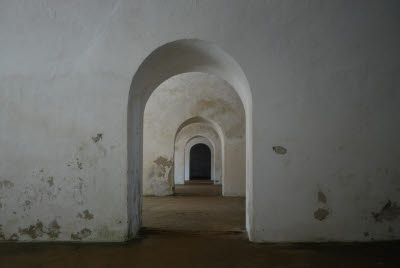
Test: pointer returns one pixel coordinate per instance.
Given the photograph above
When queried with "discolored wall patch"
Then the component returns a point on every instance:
(98, 137)
(85, 215)
(321, 214)
(2, 236)
(279, 149)
(164, 163)
(50, 181)
(81, 234)
(6, 184)
(322, 197)
(14, 237)
(389, 212)
(38, 230)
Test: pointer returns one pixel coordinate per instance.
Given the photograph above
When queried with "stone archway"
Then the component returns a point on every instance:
(200, 130)
(174, 58)
(199, 159)
(188, 156)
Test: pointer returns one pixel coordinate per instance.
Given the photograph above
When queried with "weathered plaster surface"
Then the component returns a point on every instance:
(324, 79)
(45, 205)
(175, 101)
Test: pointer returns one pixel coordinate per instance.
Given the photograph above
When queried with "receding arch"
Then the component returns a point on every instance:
(190, 130)
(181, 56)
(188, 154)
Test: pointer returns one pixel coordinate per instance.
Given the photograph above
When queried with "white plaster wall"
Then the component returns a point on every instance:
(178, 99)
(324, 76)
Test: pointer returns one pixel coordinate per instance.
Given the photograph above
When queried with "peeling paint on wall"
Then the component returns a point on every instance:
(37, 230)
(333, 95)
(85, 215)
(6, 184)
(164, 164)
(84, 233)
(98, 137)
(46, 188)
(321, 214)
(279, 149)
(389, 212)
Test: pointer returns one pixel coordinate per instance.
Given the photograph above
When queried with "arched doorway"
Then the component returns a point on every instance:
(200, 162)
(178, 57)
(198, 130)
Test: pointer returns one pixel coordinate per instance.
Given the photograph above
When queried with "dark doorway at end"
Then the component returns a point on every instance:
(200, 162)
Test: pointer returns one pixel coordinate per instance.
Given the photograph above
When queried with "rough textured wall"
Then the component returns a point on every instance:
(177, 100)
(325, 82)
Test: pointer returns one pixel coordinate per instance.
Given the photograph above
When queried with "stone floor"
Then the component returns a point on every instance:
(192, 230)
(194, 213)
(198, 190)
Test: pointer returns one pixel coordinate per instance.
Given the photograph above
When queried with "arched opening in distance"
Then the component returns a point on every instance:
(200, 162)
(198, 130)
(178, 57)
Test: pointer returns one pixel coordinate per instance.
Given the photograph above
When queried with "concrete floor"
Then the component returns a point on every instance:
(197, 231)
(194, 213)
(198, 190)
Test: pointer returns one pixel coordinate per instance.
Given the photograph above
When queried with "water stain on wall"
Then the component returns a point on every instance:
(161, 175)
(14, 237)
(322, 197)
(2, 236)
(38, 230)
(98, 137)
(85, 215)
(6, 184)
(81, 234)
(213, 107)
(33, 231)
(164, 164)
(50, 181)
(389, 212)
(321, 214)
(79, 163)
